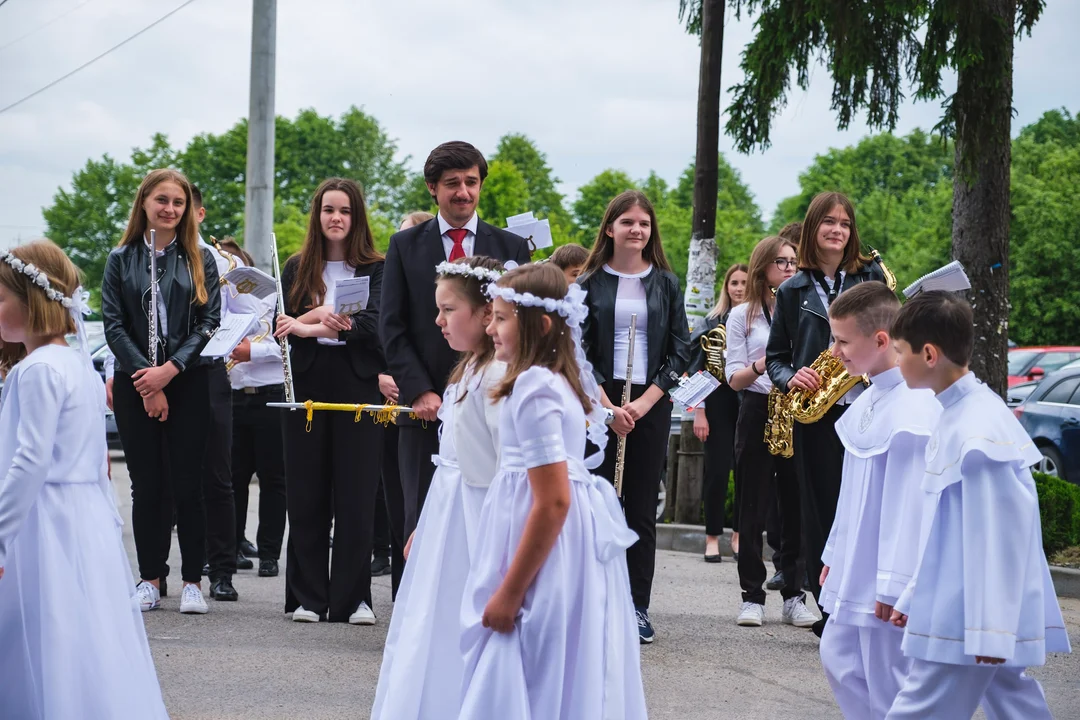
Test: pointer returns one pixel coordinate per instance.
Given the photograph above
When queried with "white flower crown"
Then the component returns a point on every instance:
(481, 274)
(572, 307)
(40, 279)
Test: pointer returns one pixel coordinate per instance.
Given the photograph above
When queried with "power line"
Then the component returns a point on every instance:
(2, 3)
(91, 62)
(61, 16)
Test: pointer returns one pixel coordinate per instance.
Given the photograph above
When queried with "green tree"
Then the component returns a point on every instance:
(543, 197)
(870, 47)
(505, 193)
(593, 199)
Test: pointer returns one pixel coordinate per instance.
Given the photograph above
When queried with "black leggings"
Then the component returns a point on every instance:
(166, 452)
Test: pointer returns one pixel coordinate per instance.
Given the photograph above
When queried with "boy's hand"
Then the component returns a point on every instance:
(882, 611)
(898, 619)
(824, 575)
(983, 660)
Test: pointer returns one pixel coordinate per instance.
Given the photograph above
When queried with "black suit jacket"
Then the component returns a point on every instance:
(800, 327)
(361, 341)
(417, 355)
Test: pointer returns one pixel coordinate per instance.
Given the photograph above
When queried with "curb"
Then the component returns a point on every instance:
(691, 539)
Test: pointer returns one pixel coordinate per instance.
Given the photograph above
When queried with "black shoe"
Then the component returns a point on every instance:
(268, 568)
(243, 563)
(713, 558)
(776, 582)
(222, 589)
(644, 627)
(163, 586)
(247, 548)
(819, 627)
(206, 570)
(380, 566)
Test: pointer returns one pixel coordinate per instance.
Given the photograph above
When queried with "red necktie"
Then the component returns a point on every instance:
(458, 236)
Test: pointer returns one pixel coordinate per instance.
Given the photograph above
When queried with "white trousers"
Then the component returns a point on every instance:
(865, 668)
(952, 692)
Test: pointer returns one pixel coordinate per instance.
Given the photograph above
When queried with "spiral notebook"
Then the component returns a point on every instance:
(950, 277)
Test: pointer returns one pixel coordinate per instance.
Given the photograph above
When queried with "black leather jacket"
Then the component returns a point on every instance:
(125, 294)
(800, 327)
(669, 332)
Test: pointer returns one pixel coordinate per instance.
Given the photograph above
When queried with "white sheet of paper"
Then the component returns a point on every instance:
(233, 329)
(950, 277)
(521, 219)
(538, 230)
(351, 295)
(250, 280)
(694, 389)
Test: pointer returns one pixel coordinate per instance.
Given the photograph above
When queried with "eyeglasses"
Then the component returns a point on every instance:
(785, 263)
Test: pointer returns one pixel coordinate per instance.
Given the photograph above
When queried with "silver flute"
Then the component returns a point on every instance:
(153, 313)
(620, 455)
(286, 359)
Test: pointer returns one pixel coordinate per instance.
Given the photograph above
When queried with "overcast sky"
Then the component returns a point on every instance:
(595, 83)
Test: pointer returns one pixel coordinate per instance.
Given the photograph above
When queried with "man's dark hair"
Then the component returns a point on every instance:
(196, 196)
(454, 155)
(938, 318)
(872, 304)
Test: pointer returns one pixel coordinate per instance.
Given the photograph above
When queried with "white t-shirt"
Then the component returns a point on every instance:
(333, 271)
(629, 300)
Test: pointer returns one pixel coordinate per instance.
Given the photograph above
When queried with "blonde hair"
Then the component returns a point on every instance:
(45, 317)
(417, 217)
(726, 303)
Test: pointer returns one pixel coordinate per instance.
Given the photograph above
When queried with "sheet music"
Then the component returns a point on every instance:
(950, 277)
(351, 295)
(234, 328)
(527, 226)
(251, 280)
(694, 389)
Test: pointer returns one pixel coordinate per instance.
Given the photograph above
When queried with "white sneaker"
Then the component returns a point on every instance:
(304, 616)
(751, 615)
(363, 615)
(148, 596)
(192, 601)
(796, 613)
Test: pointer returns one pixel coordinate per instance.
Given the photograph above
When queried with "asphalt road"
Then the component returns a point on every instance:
(247, 660)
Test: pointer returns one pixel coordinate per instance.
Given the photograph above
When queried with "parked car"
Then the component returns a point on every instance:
(1019, 393)
(1033, 363)
(1051, 416)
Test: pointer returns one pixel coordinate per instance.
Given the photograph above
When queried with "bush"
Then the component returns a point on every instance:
(1059, 506)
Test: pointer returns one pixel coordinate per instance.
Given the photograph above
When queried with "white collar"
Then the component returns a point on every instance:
(470, 226)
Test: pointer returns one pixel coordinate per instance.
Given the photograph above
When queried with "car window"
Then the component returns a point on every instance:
(1062, 392)
(1019, 359)
(1053, 360)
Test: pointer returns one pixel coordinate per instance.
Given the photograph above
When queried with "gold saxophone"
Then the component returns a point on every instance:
(810, 406)
(227, 255)
(713, 344)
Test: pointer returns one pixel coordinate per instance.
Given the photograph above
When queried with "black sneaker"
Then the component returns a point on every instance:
(243, 563)
(268, 568)
(644, 627)
(222, 589)
(776, 582)
(247, 548)
(380, 566)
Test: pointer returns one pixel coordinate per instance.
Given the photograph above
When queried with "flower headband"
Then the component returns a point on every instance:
(572, 307)
(38, 278)
(481, 274)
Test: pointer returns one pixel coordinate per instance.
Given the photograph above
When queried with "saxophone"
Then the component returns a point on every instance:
(713, 344)
(809, 407)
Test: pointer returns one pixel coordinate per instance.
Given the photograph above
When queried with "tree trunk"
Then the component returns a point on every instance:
(982, 109)
(699, 297)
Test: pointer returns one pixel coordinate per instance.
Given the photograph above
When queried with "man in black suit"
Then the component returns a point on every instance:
(419, 358)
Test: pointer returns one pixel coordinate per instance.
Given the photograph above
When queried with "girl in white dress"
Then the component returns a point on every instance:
(549, 627)
(72, 641)
(422, 664)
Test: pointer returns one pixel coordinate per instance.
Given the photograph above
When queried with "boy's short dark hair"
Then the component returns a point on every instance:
(196, 196)
(568, 256)
(792, 231)
(938, 318)
(872, 304)
(454, 155)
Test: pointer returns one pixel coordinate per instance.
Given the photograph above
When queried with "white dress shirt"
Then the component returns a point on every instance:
(264, 368)
(745, 347)
(469, 243)
(630, 299)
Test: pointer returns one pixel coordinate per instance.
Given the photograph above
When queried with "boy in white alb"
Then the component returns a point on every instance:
(981, 607)
(873, 547)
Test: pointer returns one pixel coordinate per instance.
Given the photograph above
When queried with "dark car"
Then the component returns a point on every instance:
(1033, 363)
(1051, 416)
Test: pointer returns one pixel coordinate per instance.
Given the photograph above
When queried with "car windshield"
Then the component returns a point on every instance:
(1019, 359)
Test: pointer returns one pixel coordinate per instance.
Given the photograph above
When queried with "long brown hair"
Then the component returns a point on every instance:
(757, 283)
(187, 230)
(308, 289)
(820, 206)
(726, 303)
(604, 247)
(472, 291)
(554, 349)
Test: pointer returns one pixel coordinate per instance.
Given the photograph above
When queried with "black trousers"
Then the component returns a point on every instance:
(645, 453)
(722, 412)
(416, 445)
(218, 502)
(332, 471)
(166, 452)
(380, 546)
(819, 462)
(395, 507)
(258, 436)
(764, 478)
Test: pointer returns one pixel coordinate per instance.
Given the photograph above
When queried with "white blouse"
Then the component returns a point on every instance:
(745, 347)
(630, 300)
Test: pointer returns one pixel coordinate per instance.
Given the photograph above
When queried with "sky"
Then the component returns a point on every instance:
(594, 83)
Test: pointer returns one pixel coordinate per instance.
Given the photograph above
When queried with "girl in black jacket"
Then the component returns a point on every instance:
(830, 261)
(627, 273)
(163, 410)
(332, 467)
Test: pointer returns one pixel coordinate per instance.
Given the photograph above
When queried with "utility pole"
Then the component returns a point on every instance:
(259, 191)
